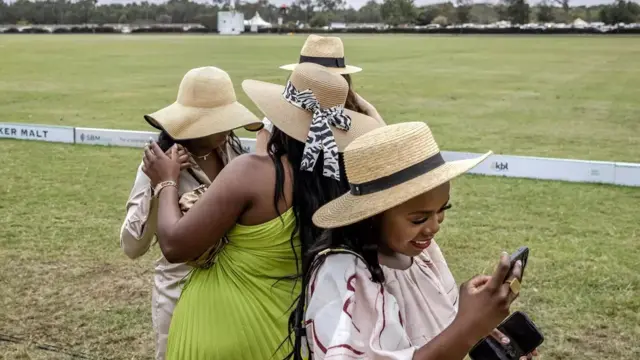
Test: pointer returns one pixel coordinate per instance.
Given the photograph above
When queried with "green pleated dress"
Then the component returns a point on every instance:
(237, 309)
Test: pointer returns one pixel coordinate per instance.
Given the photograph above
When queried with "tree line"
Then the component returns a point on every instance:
(315, 13)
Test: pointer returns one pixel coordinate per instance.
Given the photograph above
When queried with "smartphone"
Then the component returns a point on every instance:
(525, 337)
(521, 254)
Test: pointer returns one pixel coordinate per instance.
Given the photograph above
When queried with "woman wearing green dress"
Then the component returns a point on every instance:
(261, 204)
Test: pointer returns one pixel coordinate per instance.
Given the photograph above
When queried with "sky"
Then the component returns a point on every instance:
(358, 3)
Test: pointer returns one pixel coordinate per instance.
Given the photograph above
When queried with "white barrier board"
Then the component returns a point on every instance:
(107, 137)
(47, 133)
(627, 174)
(249, 145)
(540, 168)
(130, 138)
(618, 173)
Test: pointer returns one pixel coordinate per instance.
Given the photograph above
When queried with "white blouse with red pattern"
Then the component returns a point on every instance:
(351, 317)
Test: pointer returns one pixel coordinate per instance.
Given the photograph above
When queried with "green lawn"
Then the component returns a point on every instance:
(65, 282)
(573, 97)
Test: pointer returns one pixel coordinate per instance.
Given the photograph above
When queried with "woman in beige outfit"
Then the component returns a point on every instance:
(200, 125)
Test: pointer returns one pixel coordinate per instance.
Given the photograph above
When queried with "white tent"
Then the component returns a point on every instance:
(257, 21)
(580, 23)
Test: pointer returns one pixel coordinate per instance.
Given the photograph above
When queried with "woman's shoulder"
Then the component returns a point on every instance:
(343, 261)
(250, 163)
(340, 268)
(252, 175)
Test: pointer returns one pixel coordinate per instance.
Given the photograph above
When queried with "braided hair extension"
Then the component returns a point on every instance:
(351, 103)
(361, 238)
(311, 190)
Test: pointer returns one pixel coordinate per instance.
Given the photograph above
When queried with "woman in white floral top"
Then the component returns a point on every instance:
(377, 285)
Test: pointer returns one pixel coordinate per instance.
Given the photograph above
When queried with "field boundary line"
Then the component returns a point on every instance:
(529, 167)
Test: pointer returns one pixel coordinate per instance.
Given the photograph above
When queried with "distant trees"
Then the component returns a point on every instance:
(463, 10)
(314, 12)
(370, 13)
(516, 11)
(545, 12)
(397, 12)
(620, 12)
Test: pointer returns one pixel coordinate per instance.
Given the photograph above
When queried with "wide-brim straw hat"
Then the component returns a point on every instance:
(330, 89)
(206, 105)
(326, 51)
(387, 167)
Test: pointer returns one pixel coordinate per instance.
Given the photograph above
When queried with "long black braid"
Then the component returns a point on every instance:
(361, 238)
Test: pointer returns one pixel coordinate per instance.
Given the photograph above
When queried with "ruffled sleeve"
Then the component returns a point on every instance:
(349, 316)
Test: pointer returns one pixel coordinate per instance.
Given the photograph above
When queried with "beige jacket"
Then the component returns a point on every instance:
(137, 234)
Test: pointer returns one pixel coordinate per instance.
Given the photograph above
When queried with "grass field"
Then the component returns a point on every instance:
(65, 282)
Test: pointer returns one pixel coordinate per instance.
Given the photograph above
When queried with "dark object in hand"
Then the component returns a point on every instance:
(523, 333)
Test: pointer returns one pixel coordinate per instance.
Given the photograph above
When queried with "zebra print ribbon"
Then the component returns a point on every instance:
(320, 137)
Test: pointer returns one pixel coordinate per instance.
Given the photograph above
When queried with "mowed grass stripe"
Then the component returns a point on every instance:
(571, 97)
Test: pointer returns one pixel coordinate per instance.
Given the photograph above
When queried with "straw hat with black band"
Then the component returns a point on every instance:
(326, 51)
(206, 105)
(387, 167)
(310, 109)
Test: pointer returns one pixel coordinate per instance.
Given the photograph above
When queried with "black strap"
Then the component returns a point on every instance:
(324, 61)
(399, 177)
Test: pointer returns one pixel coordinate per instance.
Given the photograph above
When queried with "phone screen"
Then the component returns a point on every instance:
(522, 332)
(524, 336)
(484, 350)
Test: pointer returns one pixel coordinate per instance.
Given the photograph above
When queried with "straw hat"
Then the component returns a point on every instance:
(206, 105)
(326, 51)
(387, 167)
(329, 88)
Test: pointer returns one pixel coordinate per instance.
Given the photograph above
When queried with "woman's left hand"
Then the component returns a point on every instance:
(503, 339)
(158, 166)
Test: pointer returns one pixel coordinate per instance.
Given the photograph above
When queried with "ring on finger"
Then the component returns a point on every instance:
(514, 285)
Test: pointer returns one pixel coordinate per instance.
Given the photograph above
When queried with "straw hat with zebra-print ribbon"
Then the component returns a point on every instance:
(310, 109)
(387, 167)
(326, 51)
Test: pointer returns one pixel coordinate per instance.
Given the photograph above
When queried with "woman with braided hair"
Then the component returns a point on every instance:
(239, 307)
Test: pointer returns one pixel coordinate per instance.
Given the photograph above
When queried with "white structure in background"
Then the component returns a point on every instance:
(579, 23)
(230, 22)
(256, 22)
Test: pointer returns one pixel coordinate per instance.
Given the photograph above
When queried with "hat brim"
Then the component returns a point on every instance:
(184, 122)
(348, 69)
(295, 121)
(349, 209)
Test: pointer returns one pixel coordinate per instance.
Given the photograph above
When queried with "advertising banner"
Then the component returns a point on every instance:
(46, 133)
(107, 137)
(540, 168)
(627, 174)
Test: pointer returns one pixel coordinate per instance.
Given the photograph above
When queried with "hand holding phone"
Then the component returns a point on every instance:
(523, 334)
(521, 254)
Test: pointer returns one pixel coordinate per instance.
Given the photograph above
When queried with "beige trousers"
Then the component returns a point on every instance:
(168, 282)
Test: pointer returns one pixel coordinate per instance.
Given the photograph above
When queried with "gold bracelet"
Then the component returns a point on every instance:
(162, 185)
